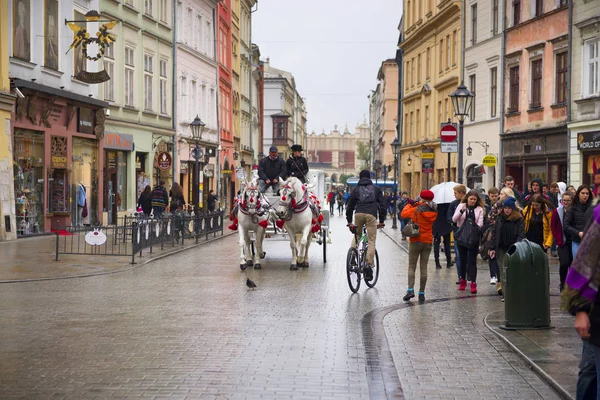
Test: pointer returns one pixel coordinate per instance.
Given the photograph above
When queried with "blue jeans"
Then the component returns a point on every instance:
(574, 248)
(587, 387)
(158, 211)
(402, 224)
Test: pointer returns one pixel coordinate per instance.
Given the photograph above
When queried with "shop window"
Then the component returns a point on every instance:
(29, 181)
(58, 191)
(475, 176)
(84, 173)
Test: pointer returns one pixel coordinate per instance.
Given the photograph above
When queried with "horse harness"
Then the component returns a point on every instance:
(297, 207)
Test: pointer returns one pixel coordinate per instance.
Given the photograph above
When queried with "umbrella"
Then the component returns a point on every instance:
(444, 192)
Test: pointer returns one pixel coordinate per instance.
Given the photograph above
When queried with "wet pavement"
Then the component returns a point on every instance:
(186, 326)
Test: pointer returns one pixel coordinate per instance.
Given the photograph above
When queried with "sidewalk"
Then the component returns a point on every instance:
(33, 259)
(553, 354)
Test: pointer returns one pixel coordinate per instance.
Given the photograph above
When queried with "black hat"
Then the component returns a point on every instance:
(273, 149)
(297, 147)
(365, 174)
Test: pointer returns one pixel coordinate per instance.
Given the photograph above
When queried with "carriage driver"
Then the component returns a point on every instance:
(296, 164)
(271, 170)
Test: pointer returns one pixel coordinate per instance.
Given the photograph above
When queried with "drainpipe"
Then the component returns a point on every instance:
(501, 173)
(569, 108)
(250, 91)
(400, 62)
(174, 93)
(218, 152)
(462, 34)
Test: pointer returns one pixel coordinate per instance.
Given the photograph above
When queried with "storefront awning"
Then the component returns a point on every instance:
(20, 83)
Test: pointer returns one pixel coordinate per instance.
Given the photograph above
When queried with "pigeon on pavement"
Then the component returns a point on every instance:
(250, 283)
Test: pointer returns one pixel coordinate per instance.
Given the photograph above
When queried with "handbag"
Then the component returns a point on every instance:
(84, 212)
(469, 233)
(412, 229)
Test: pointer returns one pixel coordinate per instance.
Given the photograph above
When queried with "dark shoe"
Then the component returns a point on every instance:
(458, 281)
(561, 286)
(450, 264)
(409, 295)
(438, 265)
(421, 297)
(294, 267)
(368, 273)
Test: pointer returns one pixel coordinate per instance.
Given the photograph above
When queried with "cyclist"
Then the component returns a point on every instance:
(367, 200)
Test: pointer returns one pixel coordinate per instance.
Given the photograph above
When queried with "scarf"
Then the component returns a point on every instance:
(583, 279)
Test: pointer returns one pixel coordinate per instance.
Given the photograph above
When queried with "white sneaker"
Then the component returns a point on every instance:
(493, 281)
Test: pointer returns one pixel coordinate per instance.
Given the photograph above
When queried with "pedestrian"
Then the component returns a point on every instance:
(563, 241)
(459, 193)
(509, 182)
(340, 202)
(160, 199)
(271, 170)
(145, 201)
(346, 197)
(596, 191)
(580, 298)
(177, 199)
(574, 222)
(403, 201)
(489, 220)
(211, 200)
(331, 199)
(472, 208)
(296, 164)
(571, 188)
(537, 216)
(423, 213)
(508, 230)
(441, 232)
(535, 188)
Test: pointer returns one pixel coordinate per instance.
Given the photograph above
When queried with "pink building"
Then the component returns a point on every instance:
(534, 138)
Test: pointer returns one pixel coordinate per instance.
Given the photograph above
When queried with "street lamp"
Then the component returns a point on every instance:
(461, 102)
(409, 161)
(396, 150)
(197, 128)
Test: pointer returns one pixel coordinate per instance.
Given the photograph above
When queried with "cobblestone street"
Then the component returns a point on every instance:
(186, 326)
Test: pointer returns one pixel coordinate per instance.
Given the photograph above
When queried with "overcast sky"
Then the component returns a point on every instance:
(334, 49)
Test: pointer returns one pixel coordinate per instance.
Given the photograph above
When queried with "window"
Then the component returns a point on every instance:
(473, 88)
(494, 17)
(454, 47)
(473, 24)
(222, 47)
(516, 12)
(426, 121)
(536, 84)
(194, 95)
(447, 109)
(148, 7)
(163, 87)
(514, 89)
(130, 2)
(406, 76)
(408, 20)
(148, 80)
(448, 54)
(441, 55)
(418, 123)
(561, 78)
(412, 126)
(419, 68)
(493, 91)
(405, 132)
(539, 7)
(412, 72)
(199, 44)
(428, 67)
(440, 115)
(109, 67)
(591, 72)
(164, 11)
(129, 76)
(184, 98)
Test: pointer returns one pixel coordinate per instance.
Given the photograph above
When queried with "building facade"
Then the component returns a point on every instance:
(196, 74)
(387, 114)
(584, 130)
(139, 145)
(432, 59)
(58, 123)
(374, 122)
(8, 226)
(534, 138)
(482, 76)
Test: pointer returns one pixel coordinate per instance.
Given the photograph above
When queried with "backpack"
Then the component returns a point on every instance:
(366, 194)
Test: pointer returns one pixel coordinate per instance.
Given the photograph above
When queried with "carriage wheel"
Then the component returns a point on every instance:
(353, 269)
(324, 242)
(373, 281)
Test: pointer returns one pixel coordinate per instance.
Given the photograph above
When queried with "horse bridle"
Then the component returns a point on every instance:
(292, 205)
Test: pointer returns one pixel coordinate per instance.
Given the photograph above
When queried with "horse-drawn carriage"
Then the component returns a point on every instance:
(295, 215)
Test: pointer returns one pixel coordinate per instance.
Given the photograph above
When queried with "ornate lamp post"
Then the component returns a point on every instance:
(396, 150)
(197, 128)
(461, 102)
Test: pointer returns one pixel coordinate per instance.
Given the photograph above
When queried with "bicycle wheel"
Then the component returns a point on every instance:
(324, 244)
(373, 281)
(353, 269)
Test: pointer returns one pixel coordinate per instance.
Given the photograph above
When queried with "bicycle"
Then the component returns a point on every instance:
(356, 262)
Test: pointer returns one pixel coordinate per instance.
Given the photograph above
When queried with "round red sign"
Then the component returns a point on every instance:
(164, 161)
(448, 133)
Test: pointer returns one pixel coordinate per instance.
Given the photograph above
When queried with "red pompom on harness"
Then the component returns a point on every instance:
(315, 228)
(263, 224)
(283, 198)
(279, 223)
(320, 218)
(293, 204)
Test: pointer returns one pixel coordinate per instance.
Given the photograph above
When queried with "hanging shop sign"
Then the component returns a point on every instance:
(118, 141)
(226, 172)
(183, 167)
(164, 161)
(85, 121)
(489, 161)
(427, 161)
(111, 159)
(588, 141)
(81, 37)
(58, 152)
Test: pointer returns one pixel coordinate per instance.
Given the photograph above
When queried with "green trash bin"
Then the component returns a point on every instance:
(526, 287)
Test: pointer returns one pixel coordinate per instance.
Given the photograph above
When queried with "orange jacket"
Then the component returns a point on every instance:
(424, 219)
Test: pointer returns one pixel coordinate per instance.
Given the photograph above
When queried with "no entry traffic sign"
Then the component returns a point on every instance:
(448, 133)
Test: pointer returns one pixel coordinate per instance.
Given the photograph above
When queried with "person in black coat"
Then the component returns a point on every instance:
(509, 229)
(271, 170)
(460, 191)
(441, 231)
(574, 224)
(296, 164)
(145, 201)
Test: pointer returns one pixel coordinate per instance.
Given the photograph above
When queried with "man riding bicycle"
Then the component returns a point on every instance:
(367, 200)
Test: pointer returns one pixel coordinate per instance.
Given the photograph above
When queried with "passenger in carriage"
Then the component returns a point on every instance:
(296, 164)
(271, 170)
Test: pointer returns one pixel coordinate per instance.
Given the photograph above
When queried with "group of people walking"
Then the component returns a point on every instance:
(156, 201)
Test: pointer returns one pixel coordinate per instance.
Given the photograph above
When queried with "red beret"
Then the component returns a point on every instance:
(426, 195)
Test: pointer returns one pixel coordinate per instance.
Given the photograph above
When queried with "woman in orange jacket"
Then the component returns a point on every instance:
(423, 213)
(537, 222)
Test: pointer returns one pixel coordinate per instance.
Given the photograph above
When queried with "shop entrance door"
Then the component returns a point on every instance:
(112, 199)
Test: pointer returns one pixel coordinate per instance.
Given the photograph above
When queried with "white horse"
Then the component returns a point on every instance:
(253, 216)
(296, 211)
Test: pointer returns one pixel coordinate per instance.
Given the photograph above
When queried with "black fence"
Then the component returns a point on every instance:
(132, 235)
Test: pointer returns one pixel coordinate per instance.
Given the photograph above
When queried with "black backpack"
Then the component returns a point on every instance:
(366, 194)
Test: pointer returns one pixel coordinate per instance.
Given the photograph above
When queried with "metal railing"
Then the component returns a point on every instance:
(134, 234)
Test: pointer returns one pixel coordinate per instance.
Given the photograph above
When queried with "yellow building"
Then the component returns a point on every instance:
(431, 71)
(8, 229)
